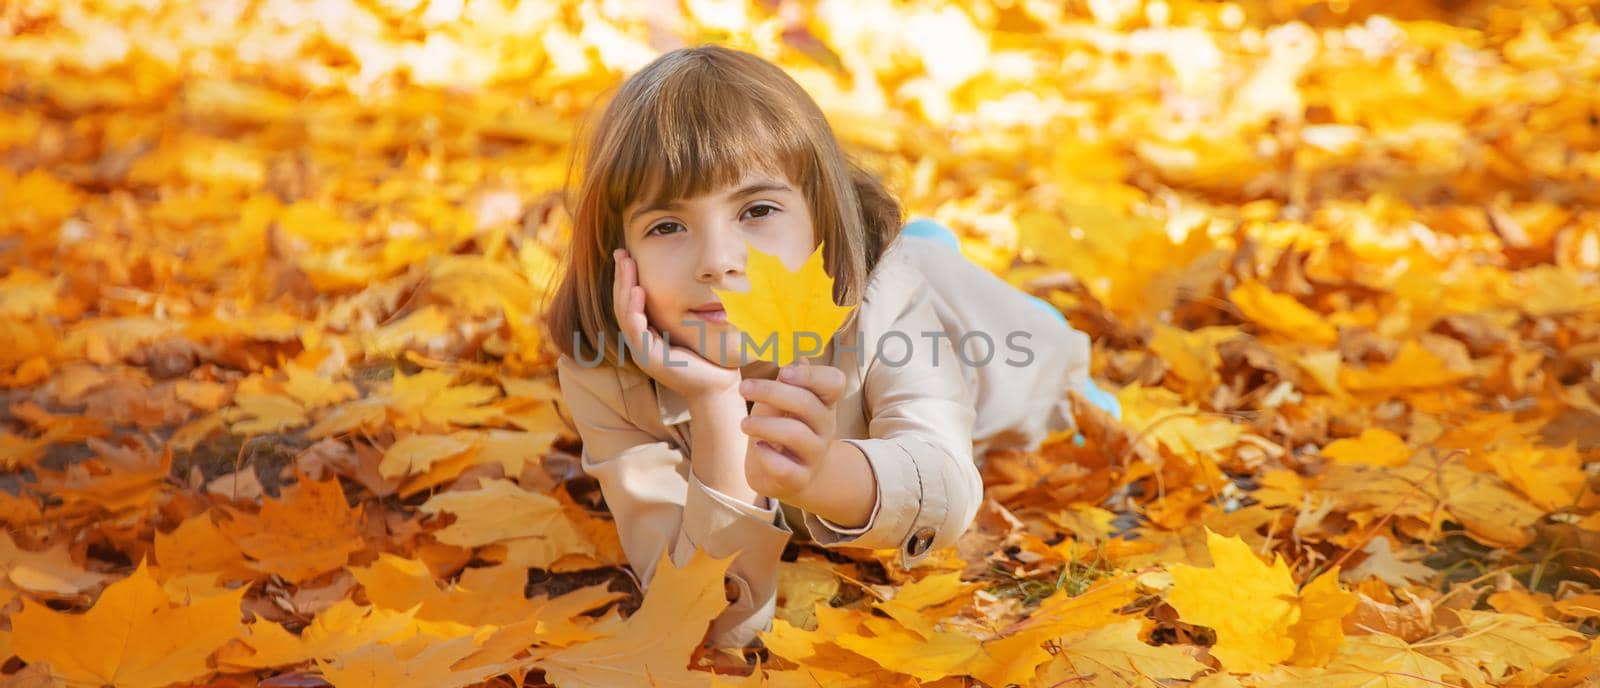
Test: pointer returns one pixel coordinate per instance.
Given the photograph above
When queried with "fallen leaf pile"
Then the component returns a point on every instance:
(278, 410)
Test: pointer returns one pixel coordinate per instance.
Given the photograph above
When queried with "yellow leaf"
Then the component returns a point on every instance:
(1063, 613)
(27, 294)
(365, 414)
(51, 571)
(784, 307)
(801, 587)
(133, 636)
(309, 531)
(315, 391)
(1498, 641)
(1320, 631)
(514, 450)
(498, 510)
(1114, 655)
(318, 224)
(1192, 355)
(197, 545)
(897, 649)
(1375, 447)
(416, 453)
(912, 599)
(1282, 314)
(1162, 415)
(255, 414)
(430, 400)
(337, 629)
(1413, 367)
(1250, 605)
(657, 640)
(482, 595)
(418, 662)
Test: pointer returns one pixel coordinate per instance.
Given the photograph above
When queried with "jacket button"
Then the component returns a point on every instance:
(919, 541)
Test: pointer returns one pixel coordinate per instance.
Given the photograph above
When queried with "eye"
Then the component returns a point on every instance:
(652, 230)
(766, 208)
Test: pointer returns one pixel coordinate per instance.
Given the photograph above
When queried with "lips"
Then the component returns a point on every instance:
(712, 312)
(707, 307)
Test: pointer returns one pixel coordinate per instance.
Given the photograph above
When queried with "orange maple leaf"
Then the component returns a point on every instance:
(133, 636)
(308, 531)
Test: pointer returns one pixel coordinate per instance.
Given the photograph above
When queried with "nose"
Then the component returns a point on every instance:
(722, 255)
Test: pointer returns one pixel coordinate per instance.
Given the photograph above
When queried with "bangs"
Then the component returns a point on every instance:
(700, 129)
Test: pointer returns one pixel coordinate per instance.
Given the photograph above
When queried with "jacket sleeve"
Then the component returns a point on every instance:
(656, 507)
(920, 423)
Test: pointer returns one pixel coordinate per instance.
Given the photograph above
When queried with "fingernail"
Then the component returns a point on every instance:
(786, 374)
(746, 387)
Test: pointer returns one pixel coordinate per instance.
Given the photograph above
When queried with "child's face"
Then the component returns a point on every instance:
(697, 244)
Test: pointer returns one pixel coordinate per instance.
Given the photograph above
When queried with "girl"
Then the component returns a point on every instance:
(872, 442)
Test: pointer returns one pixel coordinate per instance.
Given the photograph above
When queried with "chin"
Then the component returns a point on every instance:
(726, 359)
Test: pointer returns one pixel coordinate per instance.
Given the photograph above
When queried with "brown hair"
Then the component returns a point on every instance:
(693, 120)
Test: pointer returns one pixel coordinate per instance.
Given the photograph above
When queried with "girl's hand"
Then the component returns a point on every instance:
(792, 427)
(690, 374)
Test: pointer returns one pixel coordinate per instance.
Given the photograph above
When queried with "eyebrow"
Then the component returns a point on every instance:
(746, 190)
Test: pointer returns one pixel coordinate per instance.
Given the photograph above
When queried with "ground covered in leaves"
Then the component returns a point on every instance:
(277, 410)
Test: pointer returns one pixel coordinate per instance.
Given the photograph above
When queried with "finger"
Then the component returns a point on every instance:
(789, 433)
(778, 473)
(624, 290)
(824, 381)
(619, 286)
(797, 402)
(642, 335)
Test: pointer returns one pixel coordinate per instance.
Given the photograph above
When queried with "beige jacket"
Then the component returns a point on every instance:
(924, 427)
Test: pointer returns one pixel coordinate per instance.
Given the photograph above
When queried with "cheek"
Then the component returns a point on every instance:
(650, 278)
(659, 298)
(793, 241)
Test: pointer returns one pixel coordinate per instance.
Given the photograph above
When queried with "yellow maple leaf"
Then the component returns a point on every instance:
(367, 414)
(482, 595)
(785, 307)
(1413, 367)
(498, 510)
(1375, 446)
(1163, 416)
(261, 413)
(1498, 641)
(309, 531)
(824, 663)
(414, 454)
(315, 391)
(1251, 605)
(1551, 477)
(420, 662)
(1063, 612)
(1114, 655)
(51, 571)
(653, 646)
(317, 223)
(895, 648)
(133, 635)
(337, 629)
(430, 400)
(1320, 631)
(1282, 314)
(197, 545)
(1192, 355)
(913, 602)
